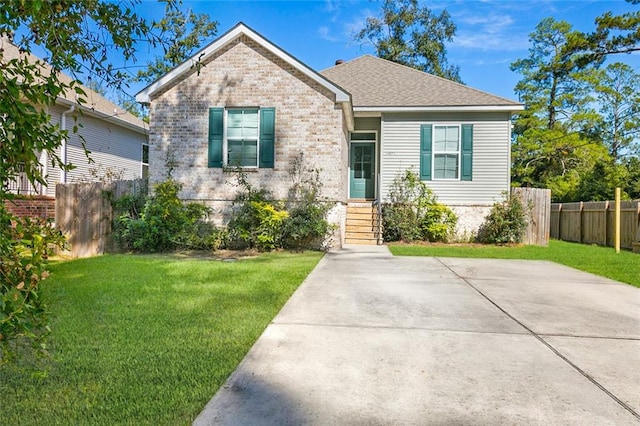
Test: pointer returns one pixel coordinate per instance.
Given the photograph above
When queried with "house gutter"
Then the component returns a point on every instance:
(63, 147)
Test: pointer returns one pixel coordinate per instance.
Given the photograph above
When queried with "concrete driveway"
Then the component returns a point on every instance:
(372, 339)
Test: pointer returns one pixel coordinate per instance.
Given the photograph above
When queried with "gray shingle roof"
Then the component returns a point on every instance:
(375, 82)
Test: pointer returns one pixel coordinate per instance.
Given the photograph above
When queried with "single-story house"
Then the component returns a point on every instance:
(243, 100)
(116, 139)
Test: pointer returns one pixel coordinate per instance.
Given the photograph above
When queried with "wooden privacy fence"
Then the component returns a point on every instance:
(593, 222)
(84, 213)
(539, 201)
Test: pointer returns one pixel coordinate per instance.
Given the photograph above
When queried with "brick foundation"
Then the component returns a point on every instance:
(33, 206)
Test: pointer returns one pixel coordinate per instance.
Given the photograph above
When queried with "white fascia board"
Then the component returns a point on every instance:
(104, 116)
(468, 108)
(144, 95)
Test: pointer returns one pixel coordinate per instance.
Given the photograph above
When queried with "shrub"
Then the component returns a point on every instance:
(257, 224)
(165, 222)
(258, 221)
(307, 225)
(414, 213)
(505, 223)
(262, 223)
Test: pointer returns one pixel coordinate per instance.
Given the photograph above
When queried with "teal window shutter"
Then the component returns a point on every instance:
(467, 152)
(267, 137)
(425, 151)
(216, 132)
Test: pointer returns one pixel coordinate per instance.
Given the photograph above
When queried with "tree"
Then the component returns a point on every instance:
(617, 92)
(553, 139)
(413, 36)
(186, 31)
(600, 183)
(76, 36)
(614, 34)
(632, 182)
(554, 86)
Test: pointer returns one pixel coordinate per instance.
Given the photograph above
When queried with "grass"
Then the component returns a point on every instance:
(604, 261)
(147, 339)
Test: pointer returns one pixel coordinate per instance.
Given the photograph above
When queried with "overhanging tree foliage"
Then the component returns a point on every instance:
(77, 37)
(186, 31)
(412, 35)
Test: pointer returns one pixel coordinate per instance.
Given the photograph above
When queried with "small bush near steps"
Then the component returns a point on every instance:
(414, 214)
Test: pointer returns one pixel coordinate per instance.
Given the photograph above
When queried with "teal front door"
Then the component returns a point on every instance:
(362, 166)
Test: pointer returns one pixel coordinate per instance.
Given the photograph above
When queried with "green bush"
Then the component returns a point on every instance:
(505, 223)
(414, 213)
(262, 223)
(164, 223)
(307, 225)
(257, 224)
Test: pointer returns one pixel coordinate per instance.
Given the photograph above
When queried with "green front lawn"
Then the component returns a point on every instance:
(147, 339)
(623, 266)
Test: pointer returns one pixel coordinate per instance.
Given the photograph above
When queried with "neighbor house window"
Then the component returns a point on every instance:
(241, 137)
(446, 151)
(145, 161)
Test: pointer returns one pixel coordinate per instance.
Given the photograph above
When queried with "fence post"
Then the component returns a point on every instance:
(635, 245)
(560, 221)
(580, 221)
(617, 227)
(607, 207)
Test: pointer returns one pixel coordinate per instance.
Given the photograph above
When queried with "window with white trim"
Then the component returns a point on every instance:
(242, 138)
(446, 152)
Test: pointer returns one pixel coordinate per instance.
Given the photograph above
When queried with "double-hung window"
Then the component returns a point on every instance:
(446, 151)
(241, 137)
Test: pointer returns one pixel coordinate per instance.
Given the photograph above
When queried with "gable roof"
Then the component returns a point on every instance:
(144, 96)
(95, 104)
(377, 84)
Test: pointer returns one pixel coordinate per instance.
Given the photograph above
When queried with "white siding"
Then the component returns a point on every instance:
(400, 150)
(112, 147)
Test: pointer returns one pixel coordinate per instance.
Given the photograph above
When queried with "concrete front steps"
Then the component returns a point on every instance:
(362, 224)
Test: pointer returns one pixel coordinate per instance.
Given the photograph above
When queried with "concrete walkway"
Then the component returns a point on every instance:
(372, 339)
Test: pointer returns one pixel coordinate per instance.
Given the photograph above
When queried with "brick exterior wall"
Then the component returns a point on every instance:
(35, 206)
(243, 74)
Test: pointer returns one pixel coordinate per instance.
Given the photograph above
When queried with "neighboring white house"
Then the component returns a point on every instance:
(361, 123)
(116, 139)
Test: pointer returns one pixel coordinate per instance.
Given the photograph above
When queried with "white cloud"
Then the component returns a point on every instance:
(490, 31)
(331, 5)
(325, 33)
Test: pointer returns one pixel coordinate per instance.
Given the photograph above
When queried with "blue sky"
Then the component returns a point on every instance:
(490, 35)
